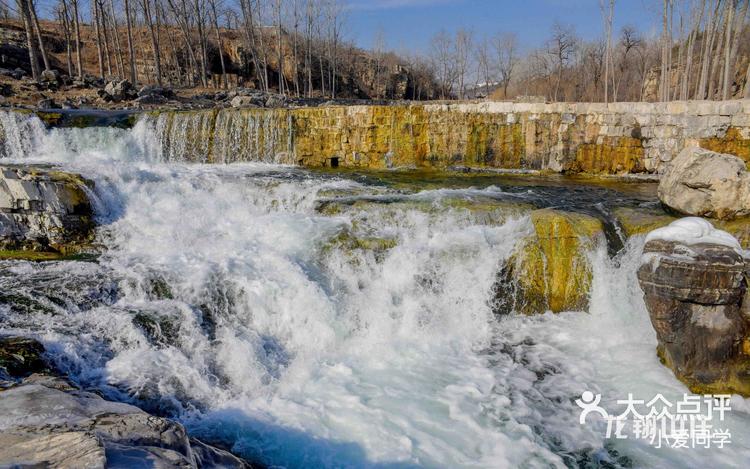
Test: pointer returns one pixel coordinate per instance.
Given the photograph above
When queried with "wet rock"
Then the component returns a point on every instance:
(44, 210)
(694, 294)
(20, 357)
(704, 183)
(550, 270)
(43, 424)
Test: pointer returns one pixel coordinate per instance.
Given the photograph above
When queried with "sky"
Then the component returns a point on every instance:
(409, 24)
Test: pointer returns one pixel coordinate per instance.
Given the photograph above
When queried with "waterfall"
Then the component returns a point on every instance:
(310, 320)
(225, 136)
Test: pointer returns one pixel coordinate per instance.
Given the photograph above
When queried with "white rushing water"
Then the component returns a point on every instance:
(222, 300)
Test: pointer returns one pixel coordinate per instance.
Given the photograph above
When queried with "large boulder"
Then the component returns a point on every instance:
(44, 210)
(119, 90)
(705, 183)
(693, 279)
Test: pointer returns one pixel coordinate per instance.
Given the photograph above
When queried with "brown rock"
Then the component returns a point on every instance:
(694, 295)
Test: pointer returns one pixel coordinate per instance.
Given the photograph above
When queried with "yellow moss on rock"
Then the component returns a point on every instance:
(615, 155)
(551, 268)
(732, 143)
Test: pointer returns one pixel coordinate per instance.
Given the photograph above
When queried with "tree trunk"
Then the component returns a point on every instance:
(23, 8)
(220, 45)
(154, 40)
(131, 52)
(35, 21)
(99, 54)
(65, 22)
(714, 74)
(77, 25)
(105, 34)
(118, 46)
(727, 50)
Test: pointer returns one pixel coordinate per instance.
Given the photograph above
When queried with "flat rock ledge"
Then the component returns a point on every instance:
(47, 422)
(696, 296)
(44, 213)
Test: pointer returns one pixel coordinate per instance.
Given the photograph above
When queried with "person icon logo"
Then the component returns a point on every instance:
(589, 402)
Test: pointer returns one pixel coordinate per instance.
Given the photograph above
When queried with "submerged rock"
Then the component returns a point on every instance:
(43, 210)
(694, 288)
(550, 270)
(704, 183)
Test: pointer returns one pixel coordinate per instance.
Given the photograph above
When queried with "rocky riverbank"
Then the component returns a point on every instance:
(44, 213)
(45, 420)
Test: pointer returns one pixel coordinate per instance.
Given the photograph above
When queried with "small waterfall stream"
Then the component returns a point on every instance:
(310, 319)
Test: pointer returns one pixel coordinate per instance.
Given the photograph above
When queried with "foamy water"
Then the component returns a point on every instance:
(222, 300)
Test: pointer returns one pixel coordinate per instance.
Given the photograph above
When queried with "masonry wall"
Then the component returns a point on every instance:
(590, 138)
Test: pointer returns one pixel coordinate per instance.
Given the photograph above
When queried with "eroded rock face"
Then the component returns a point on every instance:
(694, 293)
(42, 209)
(45, 421)
(704, 183)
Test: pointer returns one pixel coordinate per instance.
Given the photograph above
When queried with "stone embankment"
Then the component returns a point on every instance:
(621, 138)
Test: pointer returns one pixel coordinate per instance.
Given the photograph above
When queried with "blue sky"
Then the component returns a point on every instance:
(409, 24)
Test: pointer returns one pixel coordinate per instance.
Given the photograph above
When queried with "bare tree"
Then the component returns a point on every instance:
(562, 46)
(63, 15)
(116, 34)
(443, 57)
(219, 43)
(484, 64)
(463, 47)
(506, 53)
(146, 8)
(378, 59)
(608, 11)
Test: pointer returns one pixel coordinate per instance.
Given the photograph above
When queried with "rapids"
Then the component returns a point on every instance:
(224, 298)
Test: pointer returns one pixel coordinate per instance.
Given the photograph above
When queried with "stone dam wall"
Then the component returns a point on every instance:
(620, 138)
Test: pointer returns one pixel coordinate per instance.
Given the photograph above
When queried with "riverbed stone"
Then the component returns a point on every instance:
(43, 210)
(696, 296)
(704, 183)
